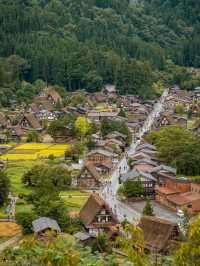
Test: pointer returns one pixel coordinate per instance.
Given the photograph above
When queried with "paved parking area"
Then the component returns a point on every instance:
(159, 210)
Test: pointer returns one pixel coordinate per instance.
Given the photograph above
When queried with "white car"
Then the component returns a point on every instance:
(180, 213)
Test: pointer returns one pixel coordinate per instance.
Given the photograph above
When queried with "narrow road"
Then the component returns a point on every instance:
(109, 189)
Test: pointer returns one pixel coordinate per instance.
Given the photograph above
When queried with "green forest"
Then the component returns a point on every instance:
(84, 44)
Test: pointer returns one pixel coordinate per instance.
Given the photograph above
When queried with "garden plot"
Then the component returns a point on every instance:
(34, 151)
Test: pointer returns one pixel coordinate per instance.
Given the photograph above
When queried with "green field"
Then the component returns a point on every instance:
(75, 199)
(15, 171)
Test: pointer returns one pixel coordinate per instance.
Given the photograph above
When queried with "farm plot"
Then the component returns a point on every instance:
(8, 229)
(34, 151)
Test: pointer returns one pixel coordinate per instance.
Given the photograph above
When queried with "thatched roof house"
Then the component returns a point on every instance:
(97, 216)
(159, 233)
(88, 177)
(30, 121)
(43, 224)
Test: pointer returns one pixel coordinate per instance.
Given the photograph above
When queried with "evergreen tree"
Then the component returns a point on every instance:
(4, 187)
(148, 209)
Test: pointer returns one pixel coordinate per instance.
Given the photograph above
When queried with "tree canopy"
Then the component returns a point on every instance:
(85, 44)
(178, 147)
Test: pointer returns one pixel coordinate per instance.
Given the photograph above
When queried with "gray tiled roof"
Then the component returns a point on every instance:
(146, 146)
(82, 236)
(163, 167)
(145, 161)
(133, 174)
(44, 223)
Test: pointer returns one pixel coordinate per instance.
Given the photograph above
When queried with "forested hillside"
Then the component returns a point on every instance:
(87, 43)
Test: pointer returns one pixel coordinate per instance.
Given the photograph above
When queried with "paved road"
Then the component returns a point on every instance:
(109, 189)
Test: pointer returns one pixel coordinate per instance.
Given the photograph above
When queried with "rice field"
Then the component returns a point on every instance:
(8, 229)
(34, 151)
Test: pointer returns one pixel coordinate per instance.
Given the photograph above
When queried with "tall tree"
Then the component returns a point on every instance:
(4, 187)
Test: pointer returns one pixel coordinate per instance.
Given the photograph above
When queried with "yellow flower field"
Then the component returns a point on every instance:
(33, 151)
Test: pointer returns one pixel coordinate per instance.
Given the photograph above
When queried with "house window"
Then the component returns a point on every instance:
(103, 212)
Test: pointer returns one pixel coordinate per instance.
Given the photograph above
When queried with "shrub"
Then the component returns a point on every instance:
(25, 220)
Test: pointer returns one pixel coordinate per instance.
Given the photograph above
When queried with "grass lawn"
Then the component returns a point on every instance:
(75, 199)
(75, 204)
(74, 192)
(15, 171)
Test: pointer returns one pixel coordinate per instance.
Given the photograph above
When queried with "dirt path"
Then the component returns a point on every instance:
(9, 243)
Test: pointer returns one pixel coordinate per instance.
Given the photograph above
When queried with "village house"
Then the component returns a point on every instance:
(89, 177)
(168, 119)
(147, 180)
(163, 173)
(16, 133)
(160, 236)
(100, 156)
(189, 201)
(110, 91)
(98, 97)
(104, 168)
(46, 101)
(30, 121)
(146, 146)
(140, 155)
(43, 225)
(99, 115)
(116, 135)
(84, 238)
(114, 143)
(97, 216)
(51, 95)
(178, 193)
(144, 165)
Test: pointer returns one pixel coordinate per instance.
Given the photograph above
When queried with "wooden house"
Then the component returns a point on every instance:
(84, 238)
(160, 236)
(100, 156)
(43, 225)
(116, 135)
(53, 96)
(147, 180)
(97, 216)
(98, 116)
(144, 165)
(163, 173)
(89, 177)
(30, 121)
(110, 91)
(16, 133)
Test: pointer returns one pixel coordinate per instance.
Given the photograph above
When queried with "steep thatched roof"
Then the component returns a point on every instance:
(92, 207)
(90, 167)
(157, 232)
(33, 121)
